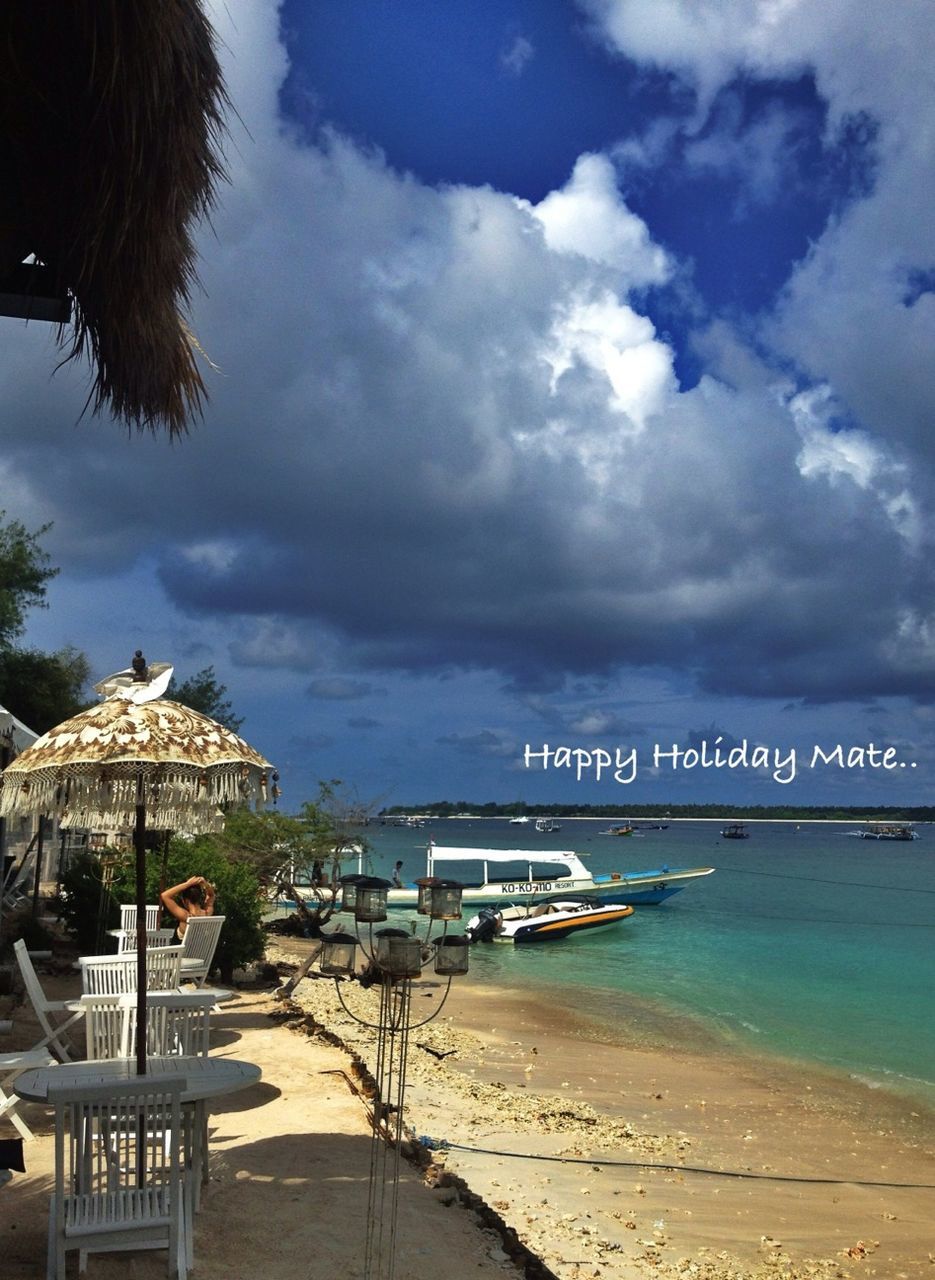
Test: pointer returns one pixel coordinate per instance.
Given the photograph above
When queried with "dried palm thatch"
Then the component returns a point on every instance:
(111, 117)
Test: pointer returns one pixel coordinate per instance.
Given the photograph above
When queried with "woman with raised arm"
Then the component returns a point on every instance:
(194, 897)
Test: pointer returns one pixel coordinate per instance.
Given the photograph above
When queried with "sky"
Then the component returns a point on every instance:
(573, 389)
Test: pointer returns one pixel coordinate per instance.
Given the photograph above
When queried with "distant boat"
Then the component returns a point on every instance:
(735, 831)
(546, 922)
(650, 826)
(880, 831)
(519, 822)
(625, 830)
(548, 826)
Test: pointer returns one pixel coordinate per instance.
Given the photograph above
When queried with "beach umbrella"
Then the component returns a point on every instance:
(136, 762)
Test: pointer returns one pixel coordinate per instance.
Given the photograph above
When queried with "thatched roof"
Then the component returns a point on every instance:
(111, 113)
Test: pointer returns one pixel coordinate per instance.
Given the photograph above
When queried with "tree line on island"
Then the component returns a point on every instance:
(749, 812)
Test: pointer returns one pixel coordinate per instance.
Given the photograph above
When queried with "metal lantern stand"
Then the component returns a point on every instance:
(394, 957)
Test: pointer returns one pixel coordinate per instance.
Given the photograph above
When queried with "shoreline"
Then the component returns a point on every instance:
(592, 1149)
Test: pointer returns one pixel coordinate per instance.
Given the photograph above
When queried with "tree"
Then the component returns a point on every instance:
(39, 688)
(203, 693)
(24, 571)
(42, 689)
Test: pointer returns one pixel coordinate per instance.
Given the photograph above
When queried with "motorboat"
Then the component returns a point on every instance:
(521, 821)
(735, 831)
(546, 922)
(547, 826)
(625, 829)
(501, 876)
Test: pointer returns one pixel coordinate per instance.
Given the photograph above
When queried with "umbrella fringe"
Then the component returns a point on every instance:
(88, 799)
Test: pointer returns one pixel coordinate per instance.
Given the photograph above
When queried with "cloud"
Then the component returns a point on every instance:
(516, 56)
(448, 436)
(340, 689)
(483, 743)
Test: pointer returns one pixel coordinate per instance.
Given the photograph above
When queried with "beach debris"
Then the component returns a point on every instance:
(435, 1052)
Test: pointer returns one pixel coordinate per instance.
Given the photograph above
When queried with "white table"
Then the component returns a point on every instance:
(205, 1078)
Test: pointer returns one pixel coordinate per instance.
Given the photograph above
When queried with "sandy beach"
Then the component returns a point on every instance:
(550, 1154)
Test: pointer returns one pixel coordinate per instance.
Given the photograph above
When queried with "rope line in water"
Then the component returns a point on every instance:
(844, 884)
(442, 1144)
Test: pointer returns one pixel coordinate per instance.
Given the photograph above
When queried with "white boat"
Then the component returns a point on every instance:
(492, 876)
(519, 822)
(547, 826)
(881, 831)
(546, 922)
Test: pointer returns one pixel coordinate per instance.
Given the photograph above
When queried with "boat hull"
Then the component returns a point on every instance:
(544, 925)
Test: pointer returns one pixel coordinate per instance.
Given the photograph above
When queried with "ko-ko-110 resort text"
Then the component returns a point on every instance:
(782, 764)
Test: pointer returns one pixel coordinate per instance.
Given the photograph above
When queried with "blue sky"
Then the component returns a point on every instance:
(574, 386)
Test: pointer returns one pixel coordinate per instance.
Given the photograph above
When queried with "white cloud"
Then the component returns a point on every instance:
(517, 55)
(589, 217)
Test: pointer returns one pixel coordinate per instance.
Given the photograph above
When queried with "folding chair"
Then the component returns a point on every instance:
(11, 1064)
(43, 1006)
(119, 1180)
(199, 943)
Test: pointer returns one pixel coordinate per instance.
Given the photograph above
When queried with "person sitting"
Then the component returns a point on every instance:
(194, 897)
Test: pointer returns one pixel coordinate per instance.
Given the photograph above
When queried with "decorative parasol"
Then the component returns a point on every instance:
(136, 762)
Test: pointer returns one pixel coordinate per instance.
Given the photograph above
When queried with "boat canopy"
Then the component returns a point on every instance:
(567, 859)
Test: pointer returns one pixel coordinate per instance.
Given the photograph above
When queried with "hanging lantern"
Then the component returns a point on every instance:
(404, 958)
(338, 952)
(451, 955)
(445, 900)
(424, 886)
(349, 891)
(370, 903)
(381, 945)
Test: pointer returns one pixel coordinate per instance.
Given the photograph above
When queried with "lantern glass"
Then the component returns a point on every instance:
(338, 952)
(348, 896)
(381, 947)
(451, 955)
(371, 900)
(405, 957)
(424, 905)
(446, 900)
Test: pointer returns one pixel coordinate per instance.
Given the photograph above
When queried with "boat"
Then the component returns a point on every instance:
(881, 831)
(519, 822)
(735, 831)
(624, 830)
(546, 922)
(650, 826)
(547, 826)
(501, 876)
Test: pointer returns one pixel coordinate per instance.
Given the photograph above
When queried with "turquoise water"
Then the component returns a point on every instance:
(805, 943)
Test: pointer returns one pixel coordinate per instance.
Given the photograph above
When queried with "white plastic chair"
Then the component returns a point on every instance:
(114, 975)
(119, 1178)
(199, 943)
(43, 1007)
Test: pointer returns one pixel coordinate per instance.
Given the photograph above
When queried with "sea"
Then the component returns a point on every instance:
(807, 944)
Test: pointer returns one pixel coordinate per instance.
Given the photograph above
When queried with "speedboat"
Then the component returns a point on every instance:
(498, 877)
(519, 822)
(543, 923)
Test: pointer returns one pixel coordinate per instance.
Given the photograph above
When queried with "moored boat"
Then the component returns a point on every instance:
(735, 831)
(547, 826)
(883, 831)
(547, 922)
(492, 876)
(624, 830)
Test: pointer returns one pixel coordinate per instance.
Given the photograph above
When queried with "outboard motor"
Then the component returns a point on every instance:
(484, 926)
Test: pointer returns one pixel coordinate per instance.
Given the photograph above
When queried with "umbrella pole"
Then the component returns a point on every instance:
(139, 842)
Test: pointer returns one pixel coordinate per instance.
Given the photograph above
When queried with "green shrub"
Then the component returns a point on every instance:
(84, 908)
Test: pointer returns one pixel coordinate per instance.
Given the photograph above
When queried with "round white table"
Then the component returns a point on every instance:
(205, 1078)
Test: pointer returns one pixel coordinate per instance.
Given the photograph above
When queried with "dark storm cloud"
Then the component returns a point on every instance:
(442, 437)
